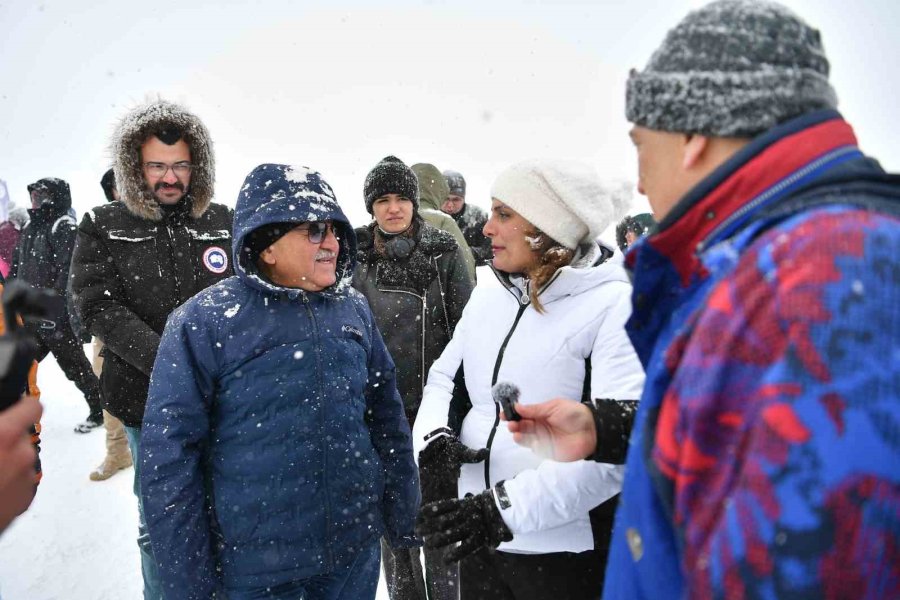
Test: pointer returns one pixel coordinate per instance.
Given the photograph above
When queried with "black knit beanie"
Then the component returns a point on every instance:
(732, 68)
(262, 237)
(391, 176)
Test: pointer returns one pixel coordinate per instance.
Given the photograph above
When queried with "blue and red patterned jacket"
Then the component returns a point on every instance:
(765, 455)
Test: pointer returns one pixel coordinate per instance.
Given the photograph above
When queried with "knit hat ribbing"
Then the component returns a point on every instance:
(391, 176)
(565, 200)
(732, 68)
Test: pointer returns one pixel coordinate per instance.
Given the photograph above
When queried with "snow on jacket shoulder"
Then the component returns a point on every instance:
(274, 440)
(545, 355)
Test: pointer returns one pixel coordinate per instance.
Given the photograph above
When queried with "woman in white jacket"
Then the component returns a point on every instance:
(555, 328)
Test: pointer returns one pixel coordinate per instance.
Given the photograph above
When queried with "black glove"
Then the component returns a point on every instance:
(439, 464)
(474, 521)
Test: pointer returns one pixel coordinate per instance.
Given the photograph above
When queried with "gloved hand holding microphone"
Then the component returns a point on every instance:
(474, 522)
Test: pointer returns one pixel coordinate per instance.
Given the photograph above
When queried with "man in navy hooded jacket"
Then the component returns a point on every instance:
(275, 445)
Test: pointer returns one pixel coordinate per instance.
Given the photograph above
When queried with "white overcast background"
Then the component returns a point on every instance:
(467, 85)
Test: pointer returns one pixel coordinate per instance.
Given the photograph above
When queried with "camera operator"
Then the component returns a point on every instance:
(18, 455)
(20, 467)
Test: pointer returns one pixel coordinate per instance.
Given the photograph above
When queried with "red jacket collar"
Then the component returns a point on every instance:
(752, 171)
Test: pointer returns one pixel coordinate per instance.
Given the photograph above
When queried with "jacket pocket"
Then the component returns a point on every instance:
(212, 235)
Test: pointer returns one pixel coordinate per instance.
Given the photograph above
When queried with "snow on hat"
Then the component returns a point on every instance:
(456, 182)
(565, 200)
(391, 176)
(732, 68)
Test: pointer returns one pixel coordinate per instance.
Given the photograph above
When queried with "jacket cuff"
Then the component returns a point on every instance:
(430, 437)
(613, 420)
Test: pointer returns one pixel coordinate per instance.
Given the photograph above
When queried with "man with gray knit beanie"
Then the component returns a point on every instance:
(745, 477)
(468, 217)
(763, 456)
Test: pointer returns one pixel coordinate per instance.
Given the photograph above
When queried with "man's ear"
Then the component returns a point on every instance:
(694, 148)
(267, 256)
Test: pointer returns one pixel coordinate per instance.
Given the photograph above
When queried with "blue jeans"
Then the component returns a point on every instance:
(152, 584)
(356, 581)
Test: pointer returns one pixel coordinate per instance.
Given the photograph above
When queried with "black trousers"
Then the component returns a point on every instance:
(493, 575)
(69, 354)
(405, 580)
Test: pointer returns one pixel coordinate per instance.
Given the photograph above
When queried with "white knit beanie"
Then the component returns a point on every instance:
(566, 200)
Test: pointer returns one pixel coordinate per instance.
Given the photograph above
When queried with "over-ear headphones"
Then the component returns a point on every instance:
(399, 247)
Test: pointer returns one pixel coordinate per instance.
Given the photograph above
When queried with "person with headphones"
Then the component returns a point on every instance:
(417, 283)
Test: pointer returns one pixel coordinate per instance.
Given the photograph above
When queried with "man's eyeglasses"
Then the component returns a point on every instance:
(158, 169)
(317, 230)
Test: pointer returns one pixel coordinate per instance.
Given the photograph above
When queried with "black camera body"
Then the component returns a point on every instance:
(18, 349)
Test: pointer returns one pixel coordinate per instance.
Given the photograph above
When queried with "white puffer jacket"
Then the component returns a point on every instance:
(585, 313)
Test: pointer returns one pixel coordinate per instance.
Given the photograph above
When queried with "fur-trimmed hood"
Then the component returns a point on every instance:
(131, 133)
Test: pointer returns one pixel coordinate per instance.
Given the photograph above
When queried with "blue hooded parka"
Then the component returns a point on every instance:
(274, 442)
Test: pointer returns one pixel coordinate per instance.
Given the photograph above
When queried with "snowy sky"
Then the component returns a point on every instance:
(464, 84)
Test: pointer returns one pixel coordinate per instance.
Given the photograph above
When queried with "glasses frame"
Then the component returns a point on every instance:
(321, 231)
(181, 168)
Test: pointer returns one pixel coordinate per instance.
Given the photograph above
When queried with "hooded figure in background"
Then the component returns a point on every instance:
(631, 229)
(416, 281)
(13, 220)
(276, 448)
(433, 191)
(138, 259)
(42, 258)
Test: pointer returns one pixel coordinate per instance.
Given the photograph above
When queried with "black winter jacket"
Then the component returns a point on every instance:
(129, 273)
(471, 220)
(44, 251)
(416, 301)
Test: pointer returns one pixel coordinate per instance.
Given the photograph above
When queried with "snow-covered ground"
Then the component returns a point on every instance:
(77, 541)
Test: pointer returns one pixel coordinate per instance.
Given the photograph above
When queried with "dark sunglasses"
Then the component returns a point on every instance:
(317, 230)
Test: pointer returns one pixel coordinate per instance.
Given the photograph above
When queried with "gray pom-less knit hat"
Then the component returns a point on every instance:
(391, 176)
(732, 68)
(456, 182)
